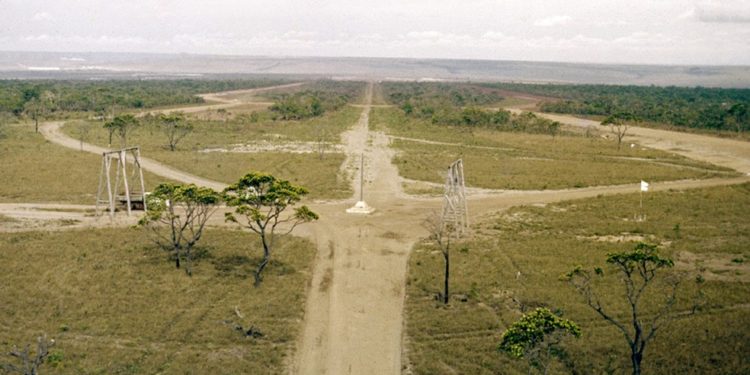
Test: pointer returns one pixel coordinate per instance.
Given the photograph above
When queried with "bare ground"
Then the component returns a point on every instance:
(353, 320)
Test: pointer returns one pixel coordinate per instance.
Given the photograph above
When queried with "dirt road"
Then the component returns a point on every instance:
(720, 151)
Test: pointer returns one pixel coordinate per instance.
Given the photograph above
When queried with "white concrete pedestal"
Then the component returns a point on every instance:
(360, 208)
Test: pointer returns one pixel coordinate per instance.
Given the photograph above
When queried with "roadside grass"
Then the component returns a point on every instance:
(35, 170)
(115, 304)
(320, 176)
(513, 263)
(514, 160)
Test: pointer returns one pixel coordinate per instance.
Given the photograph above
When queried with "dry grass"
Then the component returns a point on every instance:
(508, 160)
(544, 242)
(35, 170)
(321, 177)
(116, 305)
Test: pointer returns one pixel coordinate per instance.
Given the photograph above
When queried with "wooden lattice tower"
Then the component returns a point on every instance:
(455, 209)
(108, 192)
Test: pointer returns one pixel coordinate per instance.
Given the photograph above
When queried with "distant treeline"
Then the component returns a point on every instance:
(100, 96)
(459, 105)
(696, 107)
(314, 99)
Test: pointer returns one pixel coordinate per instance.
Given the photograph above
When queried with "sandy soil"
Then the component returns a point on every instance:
(353, 320)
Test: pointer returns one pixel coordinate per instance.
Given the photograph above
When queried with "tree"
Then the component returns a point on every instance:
(176, 216)
(618, 125)
(638, 269)
(175, 127)
(33, 108)
(262, 200)
(29, 363)
(83, 130)
(737, 117)
(537, 337)
(441, 233)
(122, 126)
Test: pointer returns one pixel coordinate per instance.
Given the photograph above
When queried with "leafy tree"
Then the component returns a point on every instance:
(618, 125)
(737, 117)
(441, 233)
(175, 127)
(121, 125)
(176, 215)
(638, 269)
(537, 337)
(29, 363)
(262, 199)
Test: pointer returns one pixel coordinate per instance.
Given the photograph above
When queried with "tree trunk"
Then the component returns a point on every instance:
(36, 125)
(446, 295)
(177, 258)
(263, 263)
(636, 358)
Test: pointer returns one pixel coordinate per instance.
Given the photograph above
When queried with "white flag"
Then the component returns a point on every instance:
(644, 185)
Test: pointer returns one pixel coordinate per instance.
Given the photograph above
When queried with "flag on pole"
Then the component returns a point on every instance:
(644, 185)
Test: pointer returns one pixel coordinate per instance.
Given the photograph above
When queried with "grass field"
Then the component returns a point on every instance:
(35, 170)
(704, 230)
(321, 177)
(514, 160)
(116, 305)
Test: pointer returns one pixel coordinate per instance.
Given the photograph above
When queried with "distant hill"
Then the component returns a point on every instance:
(35, 65)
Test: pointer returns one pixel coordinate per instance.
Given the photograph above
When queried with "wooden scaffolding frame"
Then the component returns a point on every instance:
(455, 209)
(120, 157)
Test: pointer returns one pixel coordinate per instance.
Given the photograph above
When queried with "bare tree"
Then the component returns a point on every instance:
(618, 125)
(175, 127)
(262, 199)
(177, 215)
(29, 364)
(441, 233)
(83, 130)
(638, 270)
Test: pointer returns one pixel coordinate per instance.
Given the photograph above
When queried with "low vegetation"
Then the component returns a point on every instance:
(716, 109)
(314, 99)
(513, 263)
(516, 160)
(116, 308)
(60, 98)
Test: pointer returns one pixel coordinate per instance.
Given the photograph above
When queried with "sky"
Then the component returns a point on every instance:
(704, 32)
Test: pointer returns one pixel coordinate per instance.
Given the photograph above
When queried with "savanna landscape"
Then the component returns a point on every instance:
(361, 293)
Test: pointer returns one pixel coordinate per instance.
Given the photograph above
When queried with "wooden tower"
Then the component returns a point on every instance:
(109, 193)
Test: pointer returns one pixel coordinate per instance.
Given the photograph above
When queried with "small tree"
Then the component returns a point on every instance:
(537, 337)
(262, 200)
(618, 125)
(34, 110)
(29, 364)
(176, 216)
(83, 130)
(122, 126)
(638, 270)
(441, 233)
(175, 127)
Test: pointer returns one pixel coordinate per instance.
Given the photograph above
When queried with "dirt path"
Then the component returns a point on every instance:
(353, 316)
(51, 131)
(720, 151)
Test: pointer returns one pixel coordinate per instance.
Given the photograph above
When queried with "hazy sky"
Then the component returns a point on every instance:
(608, 31)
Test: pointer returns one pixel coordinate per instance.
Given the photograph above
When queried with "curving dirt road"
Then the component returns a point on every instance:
(353, 320)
